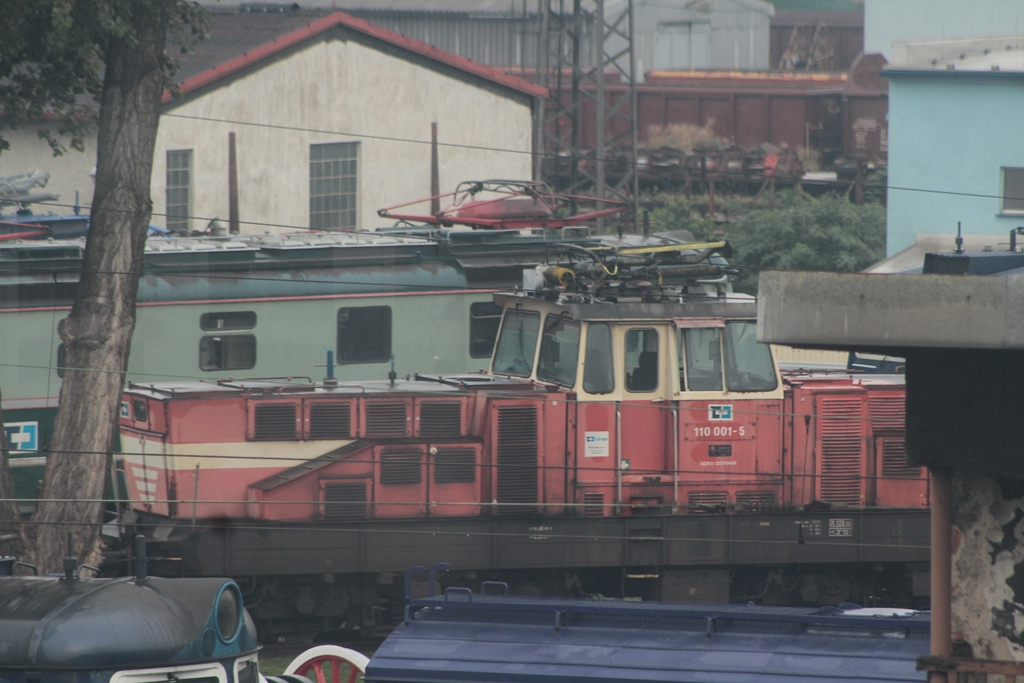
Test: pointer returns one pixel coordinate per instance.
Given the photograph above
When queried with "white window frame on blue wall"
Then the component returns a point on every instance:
(1013, 191)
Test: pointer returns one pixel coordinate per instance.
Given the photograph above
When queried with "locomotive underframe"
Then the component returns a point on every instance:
(303, 580)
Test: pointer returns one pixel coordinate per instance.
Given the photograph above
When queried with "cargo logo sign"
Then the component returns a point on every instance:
(22, 436)
(596, 445)
(720, 413)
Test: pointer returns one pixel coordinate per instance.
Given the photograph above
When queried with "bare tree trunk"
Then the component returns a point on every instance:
(9, 517)
(97, 333)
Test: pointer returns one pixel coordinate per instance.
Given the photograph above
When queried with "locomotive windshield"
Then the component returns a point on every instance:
(517, 341)
(747, 364)
(559, 351)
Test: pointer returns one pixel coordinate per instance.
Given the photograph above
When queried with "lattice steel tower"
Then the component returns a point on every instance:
(582, 47)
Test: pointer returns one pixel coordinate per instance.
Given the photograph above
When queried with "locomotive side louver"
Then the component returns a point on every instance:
(707, 500)
(756, 501)
(517, 459)
(274, 421)
(441, 419)
(593, 504)
(386, 418)
(330, 420)
(894, 459)
(842, 449)
(400, 466)
(454, 465)
(888, 414)
(343, 501)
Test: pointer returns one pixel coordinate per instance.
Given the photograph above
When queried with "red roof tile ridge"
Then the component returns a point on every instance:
(330, 21)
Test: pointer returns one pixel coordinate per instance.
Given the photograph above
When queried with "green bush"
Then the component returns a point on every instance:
(828, 233)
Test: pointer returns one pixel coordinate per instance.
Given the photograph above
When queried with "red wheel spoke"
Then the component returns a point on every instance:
(313, 662)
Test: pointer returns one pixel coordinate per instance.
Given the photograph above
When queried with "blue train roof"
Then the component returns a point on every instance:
(464, 637)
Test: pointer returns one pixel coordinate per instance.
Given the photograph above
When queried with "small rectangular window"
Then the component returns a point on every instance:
(641, 363)
(179, 190)
(364, 334)
(1013, 190)
(332, 186)
(227, 352)
(484, 319)
(228, 320)
(141, 410)
(598, 373)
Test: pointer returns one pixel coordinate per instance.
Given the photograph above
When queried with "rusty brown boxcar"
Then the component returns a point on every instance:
(823, 116)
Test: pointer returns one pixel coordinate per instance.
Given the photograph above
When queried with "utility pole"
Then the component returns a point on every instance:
(581, 48)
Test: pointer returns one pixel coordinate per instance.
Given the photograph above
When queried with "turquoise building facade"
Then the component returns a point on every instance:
(956, 152)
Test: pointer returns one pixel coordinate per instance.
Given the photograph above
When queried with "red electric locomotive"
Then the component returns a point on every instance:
(631, 438)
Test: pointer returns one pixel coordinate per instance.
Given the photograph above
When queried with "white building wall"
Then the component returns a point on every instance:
(339, 91)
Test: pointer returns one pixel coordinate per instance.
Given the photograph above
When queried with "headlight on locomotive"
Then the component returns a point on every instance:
(228, 612)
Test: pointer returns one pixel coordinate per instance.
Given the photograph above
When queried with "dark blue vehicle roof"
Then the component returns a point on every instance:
(495, 638)
(49, 623)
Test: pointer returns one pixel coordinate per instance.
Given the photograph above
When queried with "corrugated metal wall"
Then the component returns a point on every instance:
(491, 40)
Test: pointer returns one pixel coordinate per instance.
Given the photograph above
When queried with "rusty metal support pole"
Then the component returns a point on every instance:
(941, 569)
(233, 226)
(435, 176)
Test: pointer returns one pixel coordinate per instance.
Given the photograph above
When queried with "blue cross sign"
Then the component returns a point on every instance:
(720, 413)
(22, 436)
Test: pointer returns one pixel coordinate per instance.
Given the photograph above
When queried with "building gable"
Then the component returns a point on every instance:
(241, 42)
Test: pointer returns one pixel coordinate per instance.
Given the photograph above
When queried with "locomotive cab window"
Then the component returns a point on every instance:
(559, 350)
(227, 352)
(702, 348)
(364, 334)
(748, 364)
(484, 319)
(140, 411)
(517, 341)
(727, 356)
(641, 360)
(598, 368)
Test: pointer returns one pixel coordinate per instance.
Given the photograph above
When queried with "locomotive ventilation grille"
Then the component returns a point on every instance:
(705, 500)
(344, 501)
(888, 414)
(274, 421)
(330, 421)
(756, 501)
(441, 419)
(386, 418)
(842, 450)
(894, 459)
(454, 465)
(593, 504)
(517, 459)
(400, 466)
